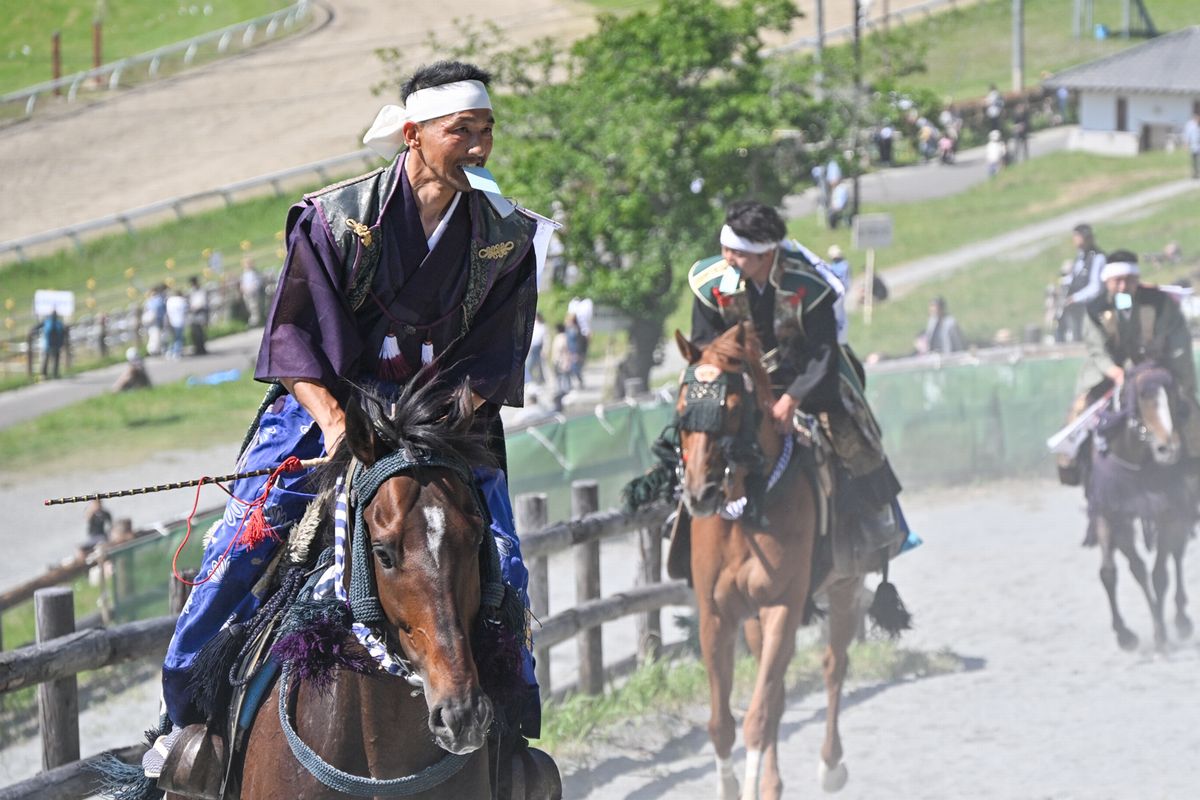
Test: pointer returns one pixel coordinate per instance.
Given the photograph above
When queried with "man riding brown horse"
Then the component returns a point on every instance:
(789, 294)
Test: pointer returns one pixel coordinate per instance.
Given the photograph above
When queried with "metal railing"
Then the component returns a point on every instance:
(180, 206)
(152, 64)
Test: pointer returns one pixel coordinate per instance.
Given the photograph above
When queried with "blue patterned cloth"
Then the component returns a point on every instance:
(286, 429)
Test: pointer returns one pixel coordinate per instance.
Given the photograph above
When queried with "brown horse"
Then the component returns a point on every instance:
(425, 532)
(741, 573)
(1135, 471)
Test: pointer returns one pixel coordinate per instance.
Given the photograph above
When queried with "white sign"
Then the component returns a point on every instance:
(47, 300)
(872, 230)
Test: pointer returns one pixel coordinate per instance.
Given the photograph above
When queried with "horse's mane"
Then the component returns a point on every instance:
(428, 415)
(749, 353)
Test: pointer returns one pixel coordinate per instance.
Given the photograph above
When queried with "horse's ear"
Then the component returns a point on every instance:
(360, 434)
(690, 352)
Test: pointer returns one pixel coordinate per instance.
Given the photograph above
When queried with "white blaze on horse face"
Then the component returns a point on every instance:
(435, 531)
(1164, 411)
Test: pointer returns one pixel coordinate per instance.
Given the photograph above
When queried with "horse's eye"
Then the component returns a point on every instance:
(383, 556)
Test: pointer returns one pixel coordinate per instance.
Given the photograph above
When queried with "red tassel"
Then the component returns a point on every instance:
(257, 530)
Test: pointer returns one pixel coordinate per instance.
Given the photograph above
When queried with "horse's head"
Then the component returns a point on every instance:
(1150, 395)
(425, 529)
(723, 396)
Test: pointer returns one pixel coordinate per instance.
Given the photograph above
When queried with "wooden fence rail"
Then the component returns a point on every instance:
(53, 661)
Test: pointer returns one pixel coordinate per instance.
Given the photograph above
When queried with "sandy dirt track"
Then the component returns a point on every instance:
(293, 102)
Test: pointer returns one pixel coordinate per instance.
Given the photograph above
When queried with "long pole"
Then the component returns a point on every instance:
(1018, 45)
(56, 58)
(857, 95)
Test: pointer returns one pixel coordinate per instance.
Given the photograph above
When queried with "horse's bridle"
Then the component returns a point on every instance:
(706, 388)
(365, 608)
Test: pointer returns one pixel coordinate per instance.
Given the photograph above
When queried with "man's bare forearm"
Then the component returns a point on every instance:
(321, 405)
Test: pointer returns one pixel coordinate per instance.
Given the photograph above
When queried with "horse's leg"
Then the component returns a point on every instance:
(717, 638)
(843, 622)
(1183, 623)
(752, 629)
(1109, 534)
(761, 726)
(1161, 577)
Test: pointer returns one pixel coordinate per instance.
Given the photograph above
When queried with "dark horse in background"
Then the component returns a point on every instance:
(741, 573)
(427, 531)
(1136, 470)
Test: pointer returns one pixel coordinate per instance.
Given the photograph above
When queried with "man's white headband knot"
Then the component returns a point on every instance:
(731, 240)
(386, 135)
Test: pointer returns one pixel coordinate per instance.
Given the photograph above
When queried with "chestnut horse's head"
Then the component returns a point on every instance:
(425, 533)
(1150, 396)
(723, 396)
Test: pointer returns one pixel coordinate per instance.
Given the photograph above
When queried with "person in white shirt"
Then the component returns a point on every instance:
(177, 314)
(583, 309)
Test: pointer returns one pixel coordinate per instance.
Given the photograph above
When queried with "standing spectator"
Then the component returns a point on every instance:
(994, 108)
(253, 294)
(582, 309)
(884, 141)
(1191, 138)
(1063, 95)
(560, 361)
(1021, 125)
(97, 527)
(926, 139)
(533, 362)
(198, 316)
(102, 334)
(154, 318)
(54, 337)
(576, 348)
(995, 153)
(1081, 282)
(941, 334)
(839, 201)
(177, 316)
(840, 267)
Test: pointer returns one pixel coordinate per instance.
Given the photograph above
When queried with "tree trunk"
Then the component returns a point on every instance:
(644, 336)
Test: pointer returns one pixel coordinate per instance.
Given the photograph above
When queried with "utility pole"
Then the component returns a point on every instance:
(819, 88)
(1018, 45)
(857, 96)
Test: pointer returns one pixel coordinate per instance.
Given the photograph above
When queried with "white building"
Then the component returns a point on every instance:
(1137, 99)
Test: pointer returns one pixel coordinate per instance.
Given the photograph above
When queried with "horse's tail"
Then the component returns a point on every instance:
(887, 610)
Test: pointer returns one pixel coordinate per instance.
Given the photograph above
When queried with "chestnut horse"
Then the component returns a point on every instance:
(1135, 471)
(426, 530)
(741, 573)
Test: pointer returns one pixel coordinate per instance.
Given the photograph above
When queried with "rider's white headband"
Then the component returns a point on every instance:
(734, 242)
(386, 135)
(1118, 269)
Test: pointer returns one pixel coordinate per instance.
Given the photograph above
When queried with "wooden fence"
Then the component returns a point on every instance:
(61, 652)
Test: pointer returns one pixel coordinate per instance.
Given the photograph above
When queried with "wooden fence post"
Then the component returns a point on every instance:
(531, 516)
(178, 591)
(585, 499)
(649, 625)
(58, 701)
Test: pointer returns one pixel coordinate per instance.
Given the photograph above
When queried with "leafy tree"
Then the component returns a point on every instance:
(638, 135)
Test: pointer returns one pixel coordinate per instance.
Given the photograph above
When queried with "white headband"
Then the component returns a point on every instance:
(734, 242)
(1118, 269)
(386, 135)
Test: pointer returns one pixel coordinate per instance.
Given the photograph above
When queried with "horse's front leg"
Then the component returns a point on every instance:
(1111, 535)
(1161, 578)
(761, 726)
(1183, 623)
(843, 622)
(717, 638)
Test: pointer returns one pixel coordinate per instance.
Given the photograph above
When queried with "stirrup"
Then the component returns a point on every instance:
(195, 767)
(534, 776)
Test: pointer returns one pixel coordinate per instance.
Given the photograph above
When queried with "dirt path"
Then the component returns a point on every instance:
(1046, 708)
(300, 100)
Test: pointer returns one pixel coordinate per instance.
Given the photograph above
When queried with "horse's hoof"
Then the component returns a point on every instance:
(728, 788)
(1127, 639)
(833, 778)
(1183, 626)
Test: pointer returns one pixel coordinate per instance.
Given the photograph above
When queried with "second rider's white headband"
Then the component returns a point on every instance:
(386, 135)
(1118, 269)
(734, 242)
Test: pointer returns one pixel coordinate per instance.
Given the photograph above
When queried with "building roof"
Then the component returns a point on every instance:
(1167, 64)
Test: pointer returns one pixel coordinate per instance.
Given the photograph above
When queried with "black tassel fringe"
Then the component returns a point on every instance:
(209, 684)
(887, 610)
(121, 781)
